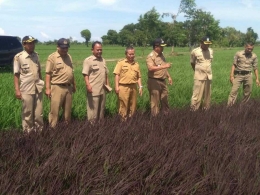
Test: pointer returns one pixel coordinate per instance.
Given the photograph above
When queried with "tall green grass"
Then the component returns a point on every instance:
(179, 93)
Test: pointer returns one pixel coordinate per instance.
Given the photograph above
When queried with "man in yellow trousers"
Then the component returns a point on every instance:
(127, 76)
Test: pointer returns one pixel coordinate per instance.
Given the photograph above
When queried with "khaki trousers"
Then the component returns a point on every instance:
(96, 107)
(247, 81)
(127, 97)
(201, 87)
(32, 116)
(61, 97)
(158, 95)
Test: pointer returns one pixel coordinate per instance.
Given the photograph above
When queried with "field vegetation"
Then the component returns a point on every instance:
(200, 153)
(180, 91)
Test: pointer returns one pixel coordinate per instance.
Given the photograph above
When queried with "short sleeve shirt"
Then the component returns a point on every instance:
(96, 70)
(154, 59)
(60, 68)
(245, 62)
(28, 67)
(202, 60)
(129, 72)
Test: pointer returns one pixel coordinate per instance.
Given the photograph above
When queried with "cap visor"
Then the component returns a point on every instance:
(163, 45)
(29, 40)
(207, 42)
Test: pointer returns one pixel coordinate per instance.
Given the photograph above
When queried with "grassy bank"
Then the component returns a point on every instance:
(180, 92)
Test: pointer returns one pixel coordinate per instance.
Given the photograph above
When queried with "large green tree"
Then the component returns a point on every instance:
(186, 6)
(250, 35)
(201, 23)
(112, 37)
(150, 24)
(86, 34)
(231, 37)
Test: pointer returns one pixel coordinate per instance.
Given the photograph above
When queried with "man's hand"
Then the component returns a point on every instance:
(117, 90)
(74, 89)
(170, 81)
(167, 65)
(140, 91)
(48, 93)
(257, 82)
(18, 94)
(231, 79)
(89, 88)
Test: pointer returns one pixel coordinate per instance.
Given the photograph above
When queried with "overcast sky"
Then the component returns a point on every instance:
(54, 19)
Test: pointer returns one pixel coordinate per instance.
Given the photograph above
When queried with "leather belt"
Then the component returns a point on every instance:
(157, 79)
(63, 84)
(241, 72)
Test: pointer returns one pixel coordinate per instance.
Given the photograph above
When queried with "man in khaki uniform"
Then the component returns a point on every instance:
(241, 73)
(95, 75)
(27, 71)
(201, 59)
(60, 82)
(127, 75)
(157, 74)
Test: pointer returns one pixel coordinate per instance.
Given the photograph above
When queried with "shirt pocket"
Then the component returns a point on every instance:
(158, 62)
(59, 67)
(95, 69)
(124, 69)
(25, 68)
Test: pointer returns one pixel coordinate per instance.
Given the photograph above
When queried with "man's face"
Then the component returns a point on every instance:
(204, 46)
(63, 50)
(249, 49)
(158, 49)
(97, 50)
(29, 47)
(130, 55)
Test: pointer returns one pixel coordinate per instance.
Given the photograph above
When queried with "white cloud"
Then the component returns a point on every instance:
(247, 3)
(107, 2)
(2, 32)
(2, 2)
(45, 35)
(74, 6)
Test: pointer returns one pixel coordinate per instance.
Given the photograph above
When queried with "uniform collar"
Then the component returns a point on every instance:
(126, 60)
(97, 59)
(28, 55)
(247, 55)
(156, 54)
(59, 56)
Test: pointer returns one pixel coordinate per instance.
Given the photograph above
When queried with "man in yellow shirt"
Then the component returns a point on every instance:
(127, 76)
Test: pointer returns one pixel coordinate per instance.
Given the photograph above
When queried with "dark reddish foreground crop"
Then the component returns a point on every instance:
(204, 152)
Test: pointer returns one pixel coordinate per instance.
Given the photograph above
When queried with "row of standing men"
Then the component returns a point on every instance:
(60, 83)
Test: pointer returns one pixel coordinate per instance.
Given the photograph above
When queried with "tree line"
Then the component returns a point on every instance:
(150, 25)
(198, 23)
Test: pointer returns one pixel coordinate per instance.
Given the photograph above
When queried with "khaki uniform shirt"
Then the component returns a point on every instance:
(97, 71)
(129, 72)
(202, 60)
(245, 62)
(28, 67)
(60, 68)
(154, 59)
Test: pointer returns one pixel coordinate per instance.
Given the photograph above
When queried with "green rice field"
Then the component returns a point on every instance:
(179, 93)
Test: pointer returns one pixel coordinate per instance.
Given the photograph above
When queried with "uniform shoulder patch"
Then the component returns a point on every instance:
(51, 54)
(89, 58)
(18, 55)
(120, 61)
